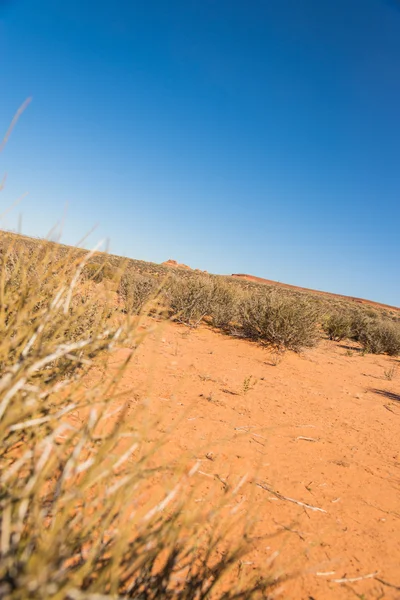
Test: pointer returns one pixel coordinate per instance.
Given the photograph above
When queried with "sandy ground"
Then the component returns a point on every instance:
(321, 428)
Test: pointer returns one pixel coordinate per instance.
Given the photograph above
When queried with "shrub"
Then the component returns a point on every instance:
(224, 304)
(100, 271)
(337, 326)
(194, 297)
(360, 321)
(94, 271)
(381, 337)
(281, 320)
(190, 299)
(45, 301)
(136, 291)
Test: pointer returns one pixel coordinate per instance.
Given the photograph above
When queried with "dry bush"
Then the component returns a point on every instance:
(194, 297)
(279, 319)
(381, 337)
(190, 298)
(360, 321)
(337, 326)
(43, 301)
(224, 303)
(136, 291)
(376, 333)
(88, 507)
(102, 271)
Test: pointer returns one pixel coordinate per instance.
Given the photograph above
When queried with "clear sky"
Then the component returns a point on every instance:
(252, 136)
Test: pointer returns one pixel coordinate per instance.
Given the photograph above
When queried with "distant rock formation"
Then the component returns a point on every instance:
(173, 263)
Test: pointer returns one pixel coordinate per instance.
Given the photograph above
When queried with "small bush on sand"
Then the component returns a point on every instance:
(278, 319)
(136, 291)
(360, 321)
(102, 271)
(224, 304)
(190, 299)
(337, 326)
(381, 337)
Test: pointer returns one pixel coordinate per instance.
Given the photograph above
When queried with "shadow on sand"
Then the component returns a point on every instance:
(387, 394)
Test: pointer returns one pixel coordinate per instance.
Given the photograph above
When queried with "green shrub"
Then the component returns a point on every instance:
(281, 320)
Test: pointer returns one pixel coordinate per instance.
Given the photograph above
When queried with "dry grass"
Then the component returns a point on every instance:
(89, 509)
(285, 319)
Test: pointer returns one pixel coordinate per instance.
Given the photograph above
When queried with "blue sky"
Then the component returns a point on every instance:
(259, 137)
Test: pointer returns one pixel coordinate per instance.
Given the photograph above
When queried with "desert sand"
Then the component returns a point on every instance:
(320, 428)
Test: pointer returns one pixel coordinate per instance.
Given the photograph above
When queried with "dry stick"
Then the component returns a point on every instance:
(286, 528)
(280, 497)
(396, 587)
(388, 512)
(306, 439)
(354, 579)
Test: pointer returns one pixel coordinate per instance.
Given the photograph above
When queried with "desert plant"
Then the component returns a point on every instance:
(390, 373)
(94, 271)
(224, 303)
(44, 300)
(102, 271)
(248, 384)
(337, 326)
(381, 337)
(88, 507)
(136, 291)
(280, 320)
(190, 299)
(360, 321)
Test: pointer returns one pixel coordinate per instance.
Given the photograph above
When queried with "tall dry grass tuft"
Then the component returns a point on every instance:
(89, 508)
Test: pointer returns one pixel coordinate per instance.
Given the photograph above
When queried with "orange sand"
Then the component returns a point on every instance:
(322, 428)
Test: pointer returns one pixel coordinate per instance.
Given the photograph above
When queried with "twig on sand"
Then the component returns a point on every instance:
(354, 579)
(396, 587)
(286, 528)
(281, 497)
(306, 439)
(388, 408)
(387, 512)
